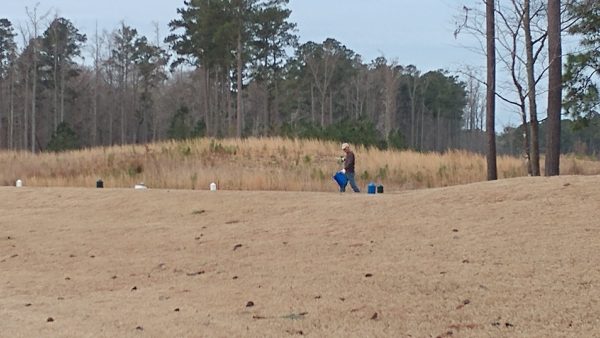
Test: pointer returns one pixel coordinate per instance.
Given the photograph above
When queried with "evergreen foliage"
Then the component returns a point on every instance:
(64, 138)
(179, 127)
(582, 69)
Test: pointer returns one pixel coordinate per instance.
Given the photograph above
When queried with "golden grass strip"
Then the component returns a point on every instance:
(258, 164)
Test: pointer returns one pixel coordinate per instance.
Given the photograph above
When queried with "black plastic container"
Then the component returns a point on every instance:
(380, 189)
(99, 183)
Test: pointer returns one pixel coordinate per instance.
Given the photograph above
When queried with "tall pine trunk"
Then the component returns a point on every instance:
(554, 90)
(33, 97)
(492, 173)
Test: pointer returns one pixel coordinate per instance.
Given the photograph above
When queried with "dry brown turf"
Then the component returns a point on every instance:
(511, 258)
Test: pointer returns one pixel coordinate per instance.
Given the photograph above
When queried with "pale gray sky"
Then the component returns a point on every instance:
(418, 32)
(415, 32)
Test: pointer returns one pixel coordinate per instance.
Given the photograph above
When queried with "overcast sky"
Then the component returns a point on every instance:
(418, 32)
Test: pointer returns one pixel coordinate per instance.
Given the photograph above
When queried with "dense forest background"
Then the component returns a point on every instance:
(233, 69)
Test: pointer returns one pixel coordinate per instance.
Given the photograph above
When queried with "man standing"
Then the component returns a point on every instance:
(349, 168)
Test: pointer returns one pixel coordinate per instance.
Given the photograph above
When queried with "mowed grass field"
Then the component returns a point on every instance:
(516, 257)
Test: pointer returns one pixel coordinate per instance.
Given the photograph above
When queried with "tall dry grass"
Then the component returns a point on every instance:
(256, 164)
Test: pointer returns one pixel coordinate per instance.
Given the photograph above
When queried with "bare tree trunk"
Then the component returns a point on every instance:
(111, 117)
(357, 97)
(312, 103)
(323, 97)
(367, 95)
(531, 92)
(221, 112)
(26, 111)
(240, 112)
(526, 143)
(262, 91)
(11, 119)
(96, 89)
(134, 115)
(33, 97)
(422, 140)
(207, 101)
(329, 64)
(276, 113)
(413, 111)
(515, 71)
(330, 107)
(391, 87)
(110, 79)
(124, 101)
(471, 102)
(55, 80)
(438, 131)
(481, 116)
(229, 109)
(491, 90)
(215, 106)
(35, 21)
(62, 95)
(554, 90)
(123, 121)
(158, 91)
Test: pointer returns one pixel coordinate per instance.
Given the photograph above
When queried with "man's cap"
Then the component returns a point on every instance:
(345, 146)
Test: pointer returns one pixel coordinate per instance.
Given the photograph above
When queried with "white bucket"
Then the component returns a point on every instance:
(19, 183)
(213, 186)
(140, 186)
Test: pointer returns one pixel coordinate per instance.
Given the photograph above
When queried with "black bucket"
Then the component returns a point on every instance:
(99, 184)
(380, 189)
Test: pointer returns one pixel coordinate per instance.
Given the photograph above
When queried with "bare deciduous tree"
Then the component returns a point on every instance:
(322, 64)
(35, 22)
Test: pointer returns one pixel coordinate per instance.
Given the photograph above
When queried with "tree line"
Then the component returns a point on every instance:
(226, 69)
